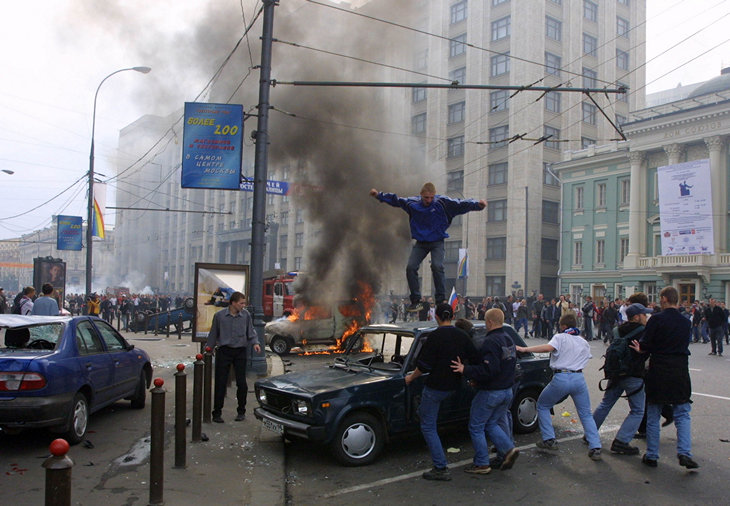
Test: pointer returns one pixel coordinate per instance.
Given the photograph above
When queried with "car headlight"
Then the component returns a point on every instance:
(262, 396)
(301, 407)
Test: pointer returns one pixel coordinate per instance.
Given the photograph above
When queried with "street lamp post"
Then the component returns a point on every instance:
(90, 207)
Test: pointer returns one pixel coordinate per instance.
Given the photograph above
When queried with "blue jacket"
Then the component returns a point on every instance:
(496, 370)
(429, 224)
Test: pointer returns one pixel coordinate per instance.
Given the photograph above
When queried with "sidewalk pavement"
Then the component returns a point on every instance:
(241, 463)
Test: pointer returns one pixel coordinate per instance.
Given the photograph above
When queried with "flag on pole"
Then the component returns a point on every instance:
(453, 299)
(463, 270)
(97, 224)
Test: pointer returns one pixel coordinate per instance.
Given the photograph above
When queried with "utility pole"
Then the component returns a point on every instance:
(258, 225)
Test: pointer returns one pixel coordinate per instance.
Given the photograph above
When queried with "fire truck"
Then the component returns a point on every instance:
(278, 293)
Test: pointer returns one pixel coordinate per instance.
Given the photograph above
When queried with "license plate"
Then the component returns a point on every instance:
(273, 426)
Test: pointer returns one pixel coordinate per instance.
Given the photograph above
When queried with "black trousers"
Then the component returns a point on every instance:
(224, 358)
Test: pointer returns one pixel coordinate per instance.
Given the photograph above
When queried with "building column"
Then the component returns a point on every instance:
(719, 193)
(636, 210)
(674, 152)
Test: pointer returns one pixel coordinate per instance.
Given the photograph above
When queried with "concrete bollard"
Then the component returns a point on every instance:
(180, 408)
(207, 384)
(58, 474)
(197, 396)
(157, 442)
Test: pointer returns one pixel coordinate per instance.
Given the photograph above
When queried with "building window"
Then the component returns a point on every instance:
(625, 192)
(501, 28)
(601, 195)
(297, 263)
(589, 113)
(623, 97)
(623, 2)
(496, 248)
(499, 64)
(548, 178)
(418, 123)
(497, 210)
(586, 142)
(421, 60)
(590, 10)
(285, 217)
(601, 252)
(299, 240)
(549, 250)
(553, 63)
(457, 46)
(552, 135)
(550, 211)
(499, 100)
(553, 28)
(283, 238)
(650, 291)
(497, 174)
(495, 286)
(623, 249)
(458, 12)
(457, 112)
(578, 198)
(418, 95)
(622, 27)
(451, 251)
(458, 75)
(578, 253)
(455, 181)
(589, 78)
(455, 146)
(590, 45)
(497, 2)
(497, 136)
(552, 101)
(622, 59)
(300, 216)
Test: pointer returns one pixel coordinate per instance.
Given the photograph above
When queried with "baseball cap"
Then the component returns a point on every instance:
(444, 311)
(637, 308)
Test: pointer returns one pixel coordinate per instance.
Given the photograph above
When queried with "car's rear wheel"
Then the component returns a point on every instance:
(140, 393)
(280, 345)
(524, 411)
(359, 439)
(78, 420)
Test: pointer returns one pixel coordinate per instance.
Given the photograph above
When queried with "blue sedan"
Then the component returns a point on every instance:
(55, 371)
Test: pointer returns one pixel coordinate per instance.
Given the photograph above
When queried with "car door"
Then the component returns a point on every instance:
(95, 364)
(125, 364)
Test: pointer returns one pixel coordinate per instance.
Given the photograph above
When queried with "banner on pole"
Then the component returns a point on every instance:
(69, 233)
(97, 224)
(463, 270)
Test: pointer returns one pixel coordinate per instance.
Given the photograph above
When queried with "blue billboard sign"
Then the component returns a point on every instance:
(272, 187)
(212, 146)
(69, 233)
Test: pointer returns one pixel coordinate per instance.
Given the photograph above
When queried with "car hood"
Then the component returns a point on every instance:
(318, 381)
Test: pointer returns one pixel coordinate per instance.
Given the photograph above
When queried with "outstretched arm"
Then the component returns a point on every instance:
(374, 193)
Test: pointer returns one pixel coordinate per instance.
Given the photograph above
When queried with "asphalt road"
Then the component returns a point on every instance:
(568, 477)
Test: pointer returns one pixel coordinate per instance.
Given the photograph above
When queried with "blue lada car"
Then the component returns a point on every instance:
(360, 401)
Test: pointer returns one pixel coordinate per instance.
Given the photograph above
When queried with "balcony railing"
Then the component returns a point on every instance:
(685, 261)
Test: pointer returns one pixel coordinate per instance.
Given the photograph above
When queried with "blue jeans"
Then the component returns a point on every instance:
(588, 329)
(487, 414)
(636, 406)
(521, 323)
(696, 333)
(682, 421)
(418, 253)
(428, 411)
(716, 336)
(562, 384)
(705, 334)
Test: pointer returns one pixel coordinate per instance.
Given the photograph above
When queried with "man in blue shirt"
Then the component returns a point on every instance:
(45, 305)
(429, 217)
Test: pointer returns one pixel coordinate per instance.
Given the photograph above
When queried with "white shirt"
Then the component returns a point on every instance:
(571, 352)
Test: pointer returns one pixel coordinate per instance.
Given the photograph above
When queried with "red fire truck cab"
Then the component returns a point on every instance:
(278, 293)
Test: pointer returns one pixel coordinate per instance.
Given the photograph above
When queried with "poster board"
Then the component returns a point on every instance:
(214, 284)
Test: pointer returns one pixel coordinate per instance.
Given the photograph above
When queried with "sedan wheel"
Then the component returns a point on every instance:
(524, 412)
(359, 440)
(78, 419)
(280, 345)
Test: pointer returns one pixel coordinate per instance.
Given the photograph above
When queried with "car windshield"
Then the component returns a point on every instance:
(38, 337)
(377, 350)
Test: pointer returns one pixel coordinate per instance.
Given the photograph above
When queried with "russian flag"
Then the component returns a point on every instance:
(453, 299)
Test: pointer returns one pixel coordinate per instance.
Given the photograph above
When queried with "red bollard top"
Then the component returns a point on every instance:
(199, 357)
(159, 382)
(59, 447)
(180, 367)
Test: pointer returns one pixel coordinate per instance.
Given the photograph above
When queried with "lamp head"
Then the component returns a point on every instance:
(144, 70)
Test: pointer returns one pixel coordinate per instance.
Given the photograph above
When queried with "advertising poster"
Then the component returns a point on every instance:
(69, 233)
(50, 270)
(685, 208)
(214, 284)
(212, 146)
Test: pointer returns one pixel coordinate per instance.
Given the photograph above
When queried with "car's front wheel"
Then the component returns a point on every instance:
(78, 420)
(140, 393)
(280, 345)
(359, 439)
(524, 411)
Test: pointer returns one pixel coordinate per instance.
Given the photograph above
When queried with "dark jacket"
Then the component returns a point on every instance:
(496, 368)
(638, 360)
(666, 340)
(442, 346)
(715, 316)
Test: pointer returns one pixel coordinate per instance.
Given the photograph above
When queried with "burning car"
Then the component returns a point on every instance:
(361, 400)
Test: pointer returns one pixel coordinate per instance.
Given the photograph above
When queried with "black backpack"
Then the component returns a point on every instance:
(618, 363)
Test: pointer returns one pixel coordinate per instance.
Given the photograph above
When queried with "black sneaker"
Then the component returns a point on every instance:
(648, 462)
(594, 454)
(472, 469)
(548, 444)
(623, 448)
(687, 462)
(509, 459)
(240, 417)
(437, 474)
(217, 419)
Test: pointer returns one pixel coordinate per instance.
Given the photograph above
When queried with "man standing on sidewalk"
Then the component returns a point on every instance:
(445, 344)
(715, 315)
(231, 334)
(589, 311)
